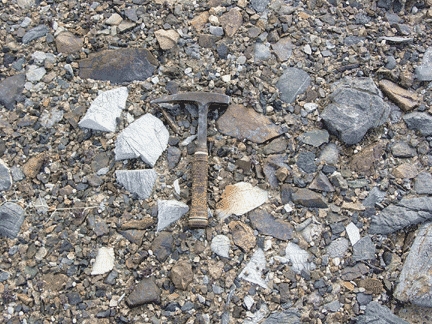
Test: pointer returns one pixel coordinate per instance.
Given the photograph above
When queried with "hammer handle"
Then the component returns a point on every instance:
(198, 217)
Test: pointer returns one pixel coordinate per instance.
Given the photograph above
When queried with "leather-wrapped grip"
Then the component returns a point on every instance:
(198, 217)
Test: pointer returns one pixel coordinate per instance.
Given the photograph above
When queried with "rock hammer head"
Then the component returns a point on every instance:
(199, 98)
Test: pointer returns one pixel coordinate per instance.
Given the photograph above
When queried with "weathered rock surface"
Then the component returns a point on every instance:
(245, 123)
(364, 249)
(253, 271)
(300, 259)
(424, 71)
(366, 162)
(139, 182)
(11, 219)
(170, 211)
(67, 42)
(419, 121)
(182, 275)
(423, 183)
(220, 245)
(266, 224)
(145, 292)
(5, 177)
(117, 66)
(308, 198)
(415, 280)
(231, 22)
(292, 83)
(242, 235)
(167, 39)
(35, 33)
(283, 49)
(409, 211)
(315, 137)
(356, 107)
(405, 99)
(162, 246)
(10, 89)
(376, 313)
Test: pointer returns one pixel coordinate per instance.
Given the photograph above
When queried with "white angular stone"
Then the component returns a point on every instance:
(299, 258)
(105, 109)
(220, 245)
(147, 137)
(139, 182)
(35, 73)
(254, 269)
(239, 199)
(248, 301)
(104, 261)
(353, 233)
(170, 211)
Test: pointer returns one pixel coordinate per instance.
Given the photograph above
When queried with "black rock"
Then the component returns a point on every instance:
(146, 291)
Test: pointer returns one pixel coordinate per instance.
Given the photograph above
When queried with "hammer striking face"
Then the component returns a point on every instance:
(198, 216)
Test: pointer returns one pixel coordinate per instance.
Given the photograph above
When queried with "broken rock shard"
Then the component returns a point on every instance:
(147, 137)
(139, 182)
(170, 211)
(239, 199)
(104, 261)
(254, 269)
(105, 109)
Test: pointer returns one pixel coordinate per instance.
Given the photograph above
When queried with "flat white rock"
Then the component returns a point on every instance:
(104, 261)
(139, 182)
(299, 258)
(353, 233)
(254, 269)
(220, 245)
(170, 211)
(146, 137)
(239, 199)
(105, 109)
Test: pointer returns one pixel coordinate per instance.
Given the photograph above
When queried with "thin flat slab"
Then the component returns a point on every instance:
(254, 269)
(117, 66)
(11, 219)
(170, 211)
(139, 182)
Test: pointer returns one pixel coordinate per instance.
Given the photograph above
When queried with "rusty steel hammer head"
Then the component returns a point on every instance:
(200, 98)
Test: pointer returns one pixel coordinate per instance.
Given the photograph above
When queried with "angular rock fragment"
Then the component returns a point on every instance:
(405, 171)
(11, 219)
(353, 233)
(220, 245)
(167, 39)
(415, 280)
(139, 182)
(182, 275)
(199, 21)
(105, 109)
(300, 259)
(104, 261)
(292, 83)
(288, 316)
(170, 211)
(338, 248)
(308, 198)
(366, 162)
(145, 292)
(68, 43)
(402, 150)
(259, 5)
(245, 123)
(253, 271)
(374, 196)
(231, 21)
(351, 273)
(35, 33)
(117, 66)
(315, 137)
(364, 249)
(5, 177)
(424, 71)
(423, 183)
(404, 99)
(306, 162)
(329, 154)
(321, 183)
(162, 246)
(239, 199)
(378, 314)
(266, 224)
(242, 235)
(408, 211)
(419, 121)
(283, 49)
(356, 107)
(10, 89)
(147, 137)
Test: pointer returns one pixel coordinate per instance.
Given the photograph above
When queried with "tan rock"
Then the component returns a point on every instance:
(182, 275)
(199, 21)
(66, 42)
(243, 235)
(167, 38)
(141, 224)
(114, 20)
(366, 161)
(406, 171)
(353, 206)
(405, 99)
(215, 269)
(32, 167)
(231, 22)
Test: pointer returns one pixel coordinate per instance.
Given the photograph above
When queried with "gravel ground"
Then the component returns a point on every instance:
(312, 237)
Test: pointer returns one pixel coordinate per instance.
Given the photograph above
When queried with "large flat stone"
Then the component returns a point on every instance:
(378, 314)
(419, 121)
(170, 211)
(139, 182)
(10, 89)
(117, 66)
(245, 123)
(415, 280)
(292, 83)
(405, 99)
(266, 224)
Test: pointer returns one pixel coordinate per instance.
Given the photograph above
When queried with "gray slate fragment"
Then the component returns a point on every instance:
(306, 162)
(259, 5)
(105, 109)
(147, 137)
(289, 316)
(329, 154)
(321, 183)
(145, 292)
(35, 33)
(402, 150)
(292, 83)
(351, 273)
(338, 248)
(10, 89)
(308, 198)
(419, 121)
(262, 52)
(173, 156)
(266, 224)
(374, 196)
(424, 71)
(170, 211)
(283, 49)
(315, 137)
(409, 211)
(4, 275)
(378, 314)
(356, 106)
(11, 219)
(364, 249)
(423, 183)
(5, 176)
(139, 182)
(415, 281)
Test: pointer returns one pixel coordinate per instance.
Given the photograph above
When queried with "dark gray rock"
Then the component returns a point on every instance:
(378, 314)
(173, 156)
(329, 154)
(289, 316)
(308, 198)
(74, 298)
(117, 66)
(423, 183)
(11, 219)
(277, 145)
(364, 249)
(4, 275)
(292, 83)
(10, 89)
(306, 162)
(402, 150)
(374, 196)
(409, 211)
(262, 52)
(424, 71)
(321, 183)
(5, 177)
(145, 292)
(415, 279)
(259, 5)
(419, 121)
(356, 106)
(338, 248)
(315, 137)
(268, 225)
(35, 33)
(363, 299)
(351, 273)
(272, 164)
(162, 246)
